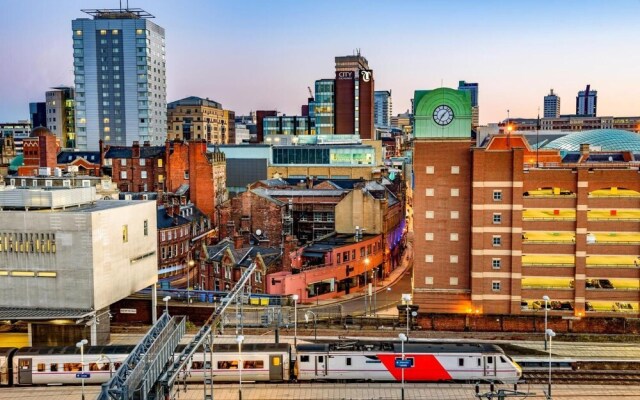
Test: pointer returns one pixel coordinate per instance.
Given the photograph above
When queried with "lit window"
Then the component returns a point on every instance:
(105, 121)
(103, 32)
(139, 31)
(495, 286)
(125, 233)
(114, 32)
(78, 32)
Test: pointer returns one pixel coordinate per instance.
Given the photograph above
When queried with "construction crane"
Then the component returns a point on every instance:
(310, 93)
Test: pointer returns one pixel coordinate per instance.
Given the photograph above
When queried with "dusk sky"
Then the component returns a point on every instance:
(252, 55)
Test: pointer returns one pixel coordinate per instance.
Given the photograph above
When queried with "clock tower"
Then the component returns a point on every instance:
(442, 200)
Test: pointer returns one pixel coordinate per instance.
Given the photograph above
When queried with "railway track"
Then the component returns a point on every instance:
(583, 377)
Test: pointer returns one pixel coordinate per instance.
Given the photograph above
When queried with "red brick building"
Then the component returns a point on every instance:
(500, 226)
(39, 151)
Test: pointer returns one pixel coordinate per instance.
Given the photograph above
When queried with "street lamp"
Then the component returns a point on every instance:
(190, 264)
(240, 339)
(295, 319)
(315, 325)
(166, 304)
(403, 338)
(406, 298)
(104, 356)
(366, 289)
(551, 334)
(81, 344)
(375, 297)
(546, 309)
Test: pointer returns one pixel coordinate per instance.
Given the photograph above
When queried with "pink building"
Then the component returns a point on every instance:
(330, 267)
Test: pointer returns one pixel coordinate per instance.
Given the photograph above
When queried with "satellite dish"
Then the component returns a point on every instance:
(258, 232)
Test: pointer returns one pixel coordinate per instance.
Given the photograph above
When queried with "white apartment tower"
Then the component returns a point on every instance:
(551, 105)
(120, 79)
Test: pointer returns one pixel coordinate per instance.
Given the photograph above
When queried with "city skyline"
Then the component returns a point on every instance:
(256, 55)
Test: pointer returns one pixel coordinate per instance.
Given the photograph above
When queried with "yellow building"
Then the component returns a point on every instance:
(197, 118)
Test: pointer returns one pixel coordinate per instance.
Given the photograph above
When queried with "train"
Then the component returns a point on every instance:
(358, 360)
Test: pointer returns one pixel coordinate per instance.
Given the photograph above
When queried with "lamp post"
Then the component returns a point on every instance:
(375, 297)
(166, 303)
(551, 334)
(81, 344)
(403, 338)
(189, 265)
(546, 309)
(110, 363)
(315, 322)
(240, 339)
(366, 289)
(406, 298)
(295, 319)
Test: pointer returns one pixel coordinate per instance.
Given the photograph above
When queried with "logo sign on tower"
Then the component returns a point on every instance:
(345, 75)
(366, 75)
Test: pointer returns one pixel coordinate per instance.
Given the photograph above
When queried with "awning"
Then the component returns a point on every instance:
(313, 254)
(13, 313)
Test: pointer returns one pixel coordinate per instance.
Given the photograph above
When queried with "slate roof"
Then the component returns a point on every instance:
(166, 221)
(67, 157)
(243, 256)
(126, 152)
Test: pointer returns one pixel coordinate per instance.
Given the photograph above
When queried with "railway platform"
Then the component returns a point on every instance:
(357, 391)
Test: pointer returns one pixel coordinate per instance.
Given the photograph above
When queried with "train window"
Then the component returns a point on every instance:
(348, 360)
(502, 360)
(72, 367)
(197, 365)
(320, 358)
(489, 360)
(93, 367)
(41, 367)
(116, 365)
(227, 365)
(24, 364)
(276, 361)
(304, 358)
(257, 364)
(54, 367)
(460, 362)
(479, 362)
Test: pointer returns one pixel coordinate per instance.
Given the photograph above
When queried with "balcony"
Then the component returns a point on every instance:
(613, 238)
(549, 192)
(542, 214)
(548, 260)
(613, 215)
(613, 192)
(538, 237)
(599, 261)
(547, 282)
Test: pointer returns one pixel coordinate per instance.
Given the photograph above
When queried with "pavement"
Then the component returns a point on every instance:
(342, 391)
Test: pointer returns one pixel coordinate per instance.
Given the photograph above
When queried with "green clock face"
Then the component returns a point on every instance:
(443, 115)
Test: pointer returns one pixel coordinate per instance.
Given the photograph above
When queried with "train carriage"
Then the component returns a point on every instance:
(6, 367)
(429, 362)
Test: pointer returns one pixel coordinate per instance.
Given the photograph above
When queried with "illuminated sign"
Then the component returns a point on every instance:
(366, 75)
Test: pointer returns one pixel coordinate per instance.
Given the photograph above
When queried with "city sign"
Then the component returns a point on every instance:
(406, 363)
(83, 375)
(345, 75)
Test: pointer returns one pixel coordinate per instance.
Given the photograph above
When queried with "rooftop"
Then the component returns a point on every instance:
(117, 13)
(604, 139)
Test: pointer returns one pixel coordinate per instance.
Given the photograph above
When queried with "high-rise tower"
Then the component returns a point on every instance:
(354, 89)
(472, 88)
(383, 108)
(120, 80)
(586, 102)
(551, 105)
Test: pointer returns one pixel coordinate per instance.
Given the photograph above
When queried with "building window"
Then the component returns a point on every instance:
(497, 218)
(159, 162)
(123, 174)
(125, 233)
(186, 175)
(455, 192)
(146, 227)
(453, 281)
(455, 214)
(453, 259)
(428, 280)
(430, 169)
(497, 241)
(495, 286)
(143, 162)
(430, 215)
(497, 195)
(428, 258)
(143, 174)
(123, 162)
(496, 263)
(453, 237)
(455, 170)
(428, 236)
(338, 258)
(429, 192)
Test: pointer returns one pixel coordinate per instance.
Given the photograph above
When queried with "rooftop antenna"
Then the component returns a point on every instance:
(508, 129)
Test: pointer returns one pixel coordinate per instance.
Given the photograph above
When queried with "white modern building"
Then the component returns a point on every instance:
(120, 79)
(382, 108)
(552, 105)
(65, 258)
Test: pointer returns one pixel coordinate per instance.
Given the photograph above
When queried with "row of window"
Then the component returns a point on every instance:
(27, 242)
(74, 367)
(370, 249)
(31, 274)
(430, 170)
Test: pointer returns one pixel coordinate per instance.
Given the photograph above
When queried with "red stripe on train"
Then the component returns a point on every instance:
(426, 367)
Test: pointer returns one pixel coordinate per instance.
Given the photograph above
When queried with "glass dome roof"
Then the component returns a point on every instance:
(606, 139)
